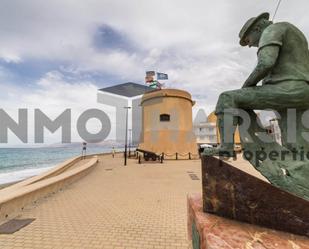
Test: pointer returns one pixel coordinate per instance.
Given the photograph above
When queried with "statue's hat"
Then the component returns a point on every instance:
(248, 25)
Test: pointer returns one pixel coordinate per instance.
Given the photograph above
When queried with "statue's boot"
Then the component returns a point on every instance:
(226, 124)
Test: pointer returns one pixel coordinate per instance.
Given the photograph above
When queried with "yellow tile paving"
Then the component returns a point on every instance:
(138, 206)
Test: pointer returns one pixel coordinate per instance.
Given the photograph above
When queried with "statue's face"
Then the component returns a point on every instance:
(253, 37)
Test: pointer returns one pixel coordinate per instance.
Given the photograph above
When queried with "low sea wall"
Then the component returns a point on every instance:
(14, 198)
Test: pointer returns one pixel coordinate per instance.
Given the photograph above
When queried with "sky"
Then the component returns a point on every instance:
(55, 54)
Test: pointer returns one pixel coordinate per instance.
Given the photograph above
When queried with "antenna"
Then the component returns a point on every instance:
(279, 2)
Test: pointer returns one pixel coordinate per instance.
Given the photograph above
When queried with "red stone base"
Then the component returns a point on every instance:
(220, 233)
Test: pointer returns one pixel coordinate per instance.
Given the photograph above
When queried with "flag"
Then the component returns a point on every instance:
(148, 79)
(162, 76)
(150, 73)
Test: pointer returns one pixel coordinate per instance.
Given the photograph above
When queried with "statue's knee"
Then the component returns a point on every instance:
(224, 102)
(225, 96)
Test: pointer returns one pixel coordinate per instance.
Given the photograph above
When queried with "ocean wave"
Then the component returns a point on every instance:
(19, 175)
(19, 163)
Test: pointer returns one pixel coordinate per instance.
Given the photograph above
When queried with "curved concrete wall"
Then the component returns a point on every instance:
(14, 198)
(52, 172)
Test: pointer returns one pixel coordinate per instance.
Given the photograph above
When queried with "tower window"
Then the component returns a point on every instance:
(164, 117)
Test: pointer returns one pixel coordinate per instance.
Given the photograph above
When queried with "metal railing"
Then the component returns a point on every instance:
(180, 156)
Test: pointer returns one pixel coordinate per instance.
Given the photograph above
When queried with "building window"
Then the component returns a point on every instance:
(164, 117)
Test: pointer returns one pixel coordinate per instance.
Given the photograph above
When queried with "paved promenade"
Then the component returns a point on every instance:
(138, 206)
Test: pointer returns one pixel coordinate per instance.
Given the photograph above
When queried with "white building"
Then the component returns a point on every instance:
(275, 130)
(205, 131)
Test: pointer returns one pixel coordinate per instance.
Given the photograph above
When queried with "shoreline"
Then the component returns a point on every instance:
(4, 185)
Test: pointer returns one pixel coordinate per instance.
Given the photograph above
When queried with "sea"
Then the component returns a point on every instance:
(19, 163)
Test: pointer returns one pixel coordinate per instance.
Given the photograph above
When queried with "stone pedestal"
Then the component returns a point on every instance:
(234, 194)
(208, 231)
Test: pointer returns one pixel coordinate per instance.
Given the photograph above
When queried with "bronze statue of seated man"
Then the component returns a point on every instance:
(283, 65)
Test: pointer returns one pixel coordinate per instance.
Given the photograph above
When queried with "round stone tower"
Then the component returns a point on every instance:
(167, 124)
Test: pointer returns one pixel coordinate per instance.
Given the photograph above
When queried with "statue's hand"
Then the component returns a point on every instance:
(267, 57)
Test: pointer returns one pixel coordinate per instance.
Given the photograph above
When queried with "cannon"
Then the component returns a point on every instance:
(149, 155)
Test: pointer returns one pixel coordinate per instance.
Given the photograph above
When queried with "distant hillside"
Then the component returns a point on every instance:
(104, 144)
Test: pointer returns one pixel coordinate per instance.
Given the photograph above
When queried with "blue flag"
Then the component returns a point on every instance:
(162, 76)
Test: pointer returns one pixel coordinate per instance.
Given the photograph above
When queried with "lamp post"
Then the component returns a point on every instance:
(130, 141)
(126, 138)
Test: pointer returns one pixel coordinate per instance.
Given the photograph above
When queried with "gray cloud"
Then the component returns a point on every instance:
(195, 42)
